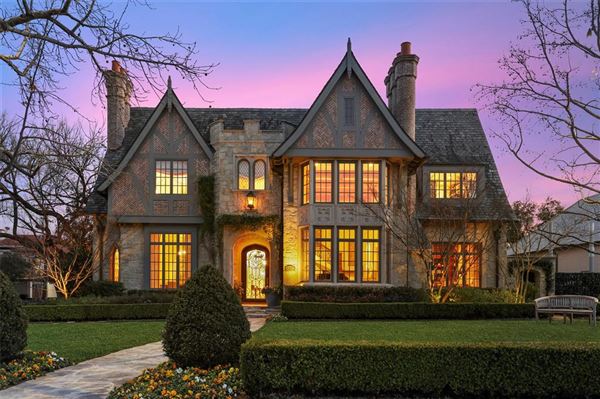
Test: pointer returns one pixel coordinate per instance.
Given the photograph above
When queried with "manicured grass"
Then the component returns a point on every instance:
(459, 331)
(86, 340)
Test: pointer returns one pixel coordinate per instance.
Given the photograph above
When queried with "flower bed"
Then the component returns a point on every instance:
(169, 381)
(31, 365)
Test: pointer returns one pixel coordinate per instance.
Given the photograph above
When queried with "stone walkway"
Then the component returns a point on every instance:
(94, 378)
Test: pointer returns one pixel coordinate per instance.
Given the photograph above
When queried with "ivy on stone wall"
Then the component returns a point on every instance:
(206, 202)
(249, 221)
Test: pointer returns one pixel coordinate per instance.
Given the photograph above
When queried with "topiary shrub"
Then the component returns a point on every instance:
(206, 325)
(13, 321)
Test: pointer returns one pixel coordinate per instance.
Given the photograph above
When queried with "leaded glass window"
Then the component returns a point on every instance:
(256, 273)
(243, 175)
(259, 174)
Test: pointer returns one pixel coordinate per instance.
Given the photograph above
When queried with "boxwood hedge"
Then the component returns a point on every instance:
(345, 293)
(400, 310)
(97, 312)
(441, 369)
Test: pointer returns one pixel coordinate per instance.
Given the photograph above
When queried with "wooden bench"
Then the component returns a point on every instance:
(567, 305)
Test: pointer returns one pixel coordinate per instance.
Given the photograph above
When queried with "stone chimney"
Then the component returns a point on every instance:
(400, 88)
(118, 93)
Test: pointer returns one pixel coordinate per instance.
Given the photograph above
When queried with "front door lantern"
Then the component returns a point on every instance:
(250, 200)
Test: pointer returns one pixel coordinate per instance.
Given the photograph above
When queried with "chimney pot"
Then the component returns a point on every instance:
(116, 66)
(405, 48)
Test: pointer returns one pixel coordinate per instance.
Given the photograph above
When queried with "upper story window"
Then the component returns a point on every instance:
(349, 111)
(346, 182)
(305, 184)
(453, 184)
(171, 177)
(323, 181)
(370, 182)
(251, 176)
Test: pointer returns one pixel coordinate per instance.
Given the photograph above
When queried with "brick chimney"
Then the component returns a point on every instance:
(400, 88)
(118, 93)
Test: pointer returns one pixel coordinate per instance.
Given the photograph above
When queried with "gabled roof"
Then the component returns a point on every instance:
(349, 65)
(168, 101)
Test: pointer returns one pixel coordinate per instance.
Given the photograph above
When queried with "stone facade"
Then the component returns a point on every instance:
(348, 122)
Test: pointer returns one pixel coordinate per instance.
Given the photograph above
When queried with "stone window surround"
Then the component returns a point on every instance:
(358, 255)
(167, 229)
(384, 184)
(251, 159)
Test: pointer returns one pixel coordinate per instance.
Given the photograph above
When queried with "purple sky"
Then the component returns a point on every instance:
(281, 55)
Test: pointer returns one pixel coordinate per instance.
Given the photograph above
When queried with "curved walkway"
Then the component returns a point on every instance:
(94, 378)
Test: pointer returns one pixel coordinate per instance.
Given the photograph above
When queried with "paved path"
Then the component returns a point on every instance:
(94, 378)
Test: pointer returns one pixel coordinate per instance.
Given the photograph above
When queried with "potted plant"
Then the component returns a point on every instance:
(273, 295)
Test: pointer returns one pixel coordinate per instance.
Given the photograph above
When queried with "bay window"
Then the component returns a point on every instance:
(323, 253)
(346, 182)
(305, 184)
(323, 182)
(305, 254)
(370, 182)
(346, 254)
(371, 258)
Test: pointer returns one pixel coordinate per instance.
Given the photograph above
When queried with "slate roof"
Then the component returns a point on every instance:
(448, 136)
(456, 137)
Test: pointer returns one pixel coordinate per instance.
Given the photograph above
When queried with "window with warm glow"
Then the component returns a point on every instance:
(170, 260)
(305, 184)
(346, 182)
(260, 171)
(323, 254)
(453, 184)
(305, 255)
(243, 175)
(370, 182)
(346, 255)
(323, 181)
(115, 265)
(171, 177)
(458, 265)
(370, 255)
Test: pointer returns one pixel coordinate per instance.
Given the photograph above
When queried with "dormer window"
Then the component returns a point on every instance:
(171, 177)
(453, 184)
(251, 175)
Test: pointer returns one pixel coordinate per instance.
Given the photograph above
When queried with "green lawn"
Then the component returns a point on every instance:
(432, 331)
(86, 340)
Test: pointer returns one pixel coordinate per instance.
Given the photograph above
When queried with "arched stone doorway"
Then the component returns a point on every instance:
(255, 262)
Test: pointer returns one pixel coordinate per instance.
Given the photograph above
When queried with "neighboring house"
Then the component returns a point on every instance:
(298, 192)
(570, 240)
(31, 285)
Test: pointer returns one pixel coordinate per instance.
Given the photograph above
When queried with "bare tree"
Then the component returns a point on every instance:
(548, 105)
(445, 239)
(45, 199)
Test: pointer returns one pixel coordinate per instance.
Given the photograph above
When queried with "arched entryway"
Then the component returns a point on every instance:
(255, 272)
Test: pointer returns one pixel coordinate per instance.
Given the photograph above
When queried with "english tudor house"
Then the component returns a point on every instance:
(299, 196)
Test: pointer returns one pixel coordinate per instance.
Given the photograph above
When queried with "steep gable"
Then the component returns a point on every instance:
(323, 130)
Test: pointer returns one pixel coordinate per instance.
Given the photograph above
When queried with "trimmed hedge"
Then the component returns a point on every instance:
(97, 312)
(578, 284)
(441, 369)
(101, 288)
(330, 293)
(320, 310)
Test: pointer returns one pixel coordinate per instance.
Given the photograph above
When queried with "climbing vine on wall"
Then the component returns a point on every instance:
(248, 221)
(206, 203)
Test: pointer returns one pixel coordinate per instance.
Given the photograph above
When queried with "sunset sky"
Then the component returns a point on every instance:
(281, 55)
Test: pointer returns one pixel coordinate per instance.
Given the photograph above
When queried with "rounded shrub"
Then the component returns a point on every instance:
(206, 325)
(13, 321)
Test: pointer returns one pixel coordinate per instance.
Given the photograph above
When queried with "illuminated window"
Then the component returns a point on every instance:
(323, 254)
(171, 177)
(323, 181)
(243, 175)
(115, 265)
(346, 182)
(457, 265)
(305, 249)
(349, 111)
(305, 184)
(370, 255)
(453, 184)
(346, 255)
(170, 260)
(259, 174)
(370, 182)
